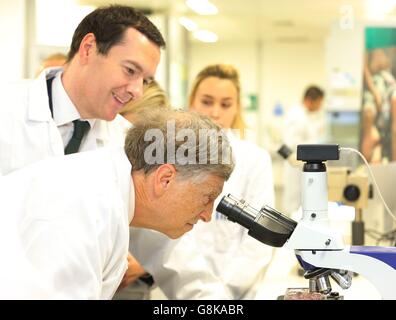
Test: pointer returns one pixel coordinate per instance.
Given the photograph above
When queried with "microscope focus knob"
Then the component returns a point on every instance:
(352, 192)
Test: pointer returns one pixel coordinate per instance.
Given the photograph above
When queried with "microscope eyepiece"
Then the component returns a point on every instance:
(266, 225)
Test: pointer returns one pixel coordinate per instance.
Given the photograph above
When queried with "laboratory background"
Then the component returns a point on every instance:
(344, 50)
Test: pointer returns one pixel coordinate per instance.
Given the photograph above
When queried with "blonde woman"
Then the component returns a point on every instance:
(237, 259)
(153, 97)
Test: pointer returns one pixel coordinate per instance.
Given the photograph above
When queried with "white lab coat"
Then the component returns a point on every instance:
(235, 257)
(300, 127)
(28, 134)
(18, 277)
(72, 214)
(184, 273)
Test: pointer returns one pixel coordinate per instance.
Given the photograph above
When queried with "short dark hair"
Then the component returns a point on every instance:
(313, 93)
(109, 23)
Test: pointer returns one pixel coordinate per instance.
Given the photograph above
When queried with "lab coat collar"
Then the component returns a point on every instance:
(124, 175)
(103, 133)
(65, 111)
(38, 104)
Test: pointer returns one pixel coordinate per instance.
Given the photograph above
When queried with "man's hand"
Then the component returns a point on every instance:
(134, 271)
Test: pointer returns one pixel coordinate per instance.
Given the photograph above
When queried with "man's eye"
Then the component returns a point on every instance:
(130, 71)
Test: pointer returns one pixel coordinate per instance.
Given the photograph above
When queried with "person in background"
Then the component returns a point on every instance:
(153, 97)
(75, 233)
(304, 124)
(236, 258)
(378, 137)
(53, 60)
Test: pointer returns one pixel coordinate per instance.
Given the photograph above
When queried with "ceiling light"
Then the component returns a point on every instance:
(206, 36)
(203, 7)
(188, 24)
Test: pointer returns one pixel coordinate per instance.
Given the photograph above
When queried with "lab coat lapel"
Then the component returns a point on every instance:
(38, 97)
(39, 111)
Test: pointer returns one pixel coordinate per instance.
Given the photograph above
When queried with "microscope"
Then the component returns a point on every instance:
(319, 249)
(351, 188)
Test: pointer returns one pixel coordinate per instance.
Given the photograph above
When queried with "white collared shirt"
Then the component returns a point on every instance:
(65, 111)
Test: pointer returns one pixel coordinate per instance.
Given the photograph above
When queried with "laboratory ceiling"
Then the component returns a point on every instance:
(279, 20)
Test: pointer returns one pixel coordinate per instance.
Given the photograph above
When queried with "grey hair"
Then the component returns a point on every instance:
(205, 141)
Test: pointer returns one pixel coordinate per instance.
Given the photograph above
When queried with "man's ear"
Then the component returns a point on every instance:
(163, 176)
(87, 47)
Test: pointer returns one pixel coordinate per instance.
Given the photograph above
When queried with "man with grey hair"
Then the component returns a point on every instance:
(177, 183)
(75, 234)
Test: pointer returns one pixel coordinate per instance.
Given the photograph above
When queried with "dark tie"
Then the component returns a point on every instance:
(80, 128)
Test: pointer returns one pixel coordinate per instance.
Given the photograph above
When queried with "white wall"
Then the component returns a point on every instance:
(161, 74)
(344, 67)
(176, 50)
(287, 69)
(12, 39)
(243, 56)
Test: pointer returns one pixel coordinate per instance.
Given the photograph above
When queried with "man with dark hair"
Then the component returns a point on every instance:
(114, 50)
(313, 98)
(304, 123)
(74, 108)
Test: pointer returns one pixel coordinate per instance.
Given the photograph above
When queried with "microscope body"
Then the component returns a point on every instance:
(376, 264)
(313, 230)
(344, 186)
(321, 250)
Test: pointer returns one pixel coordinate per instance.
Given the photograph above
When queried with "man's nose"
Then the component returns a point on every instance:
(206, 215)
(135, 88)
